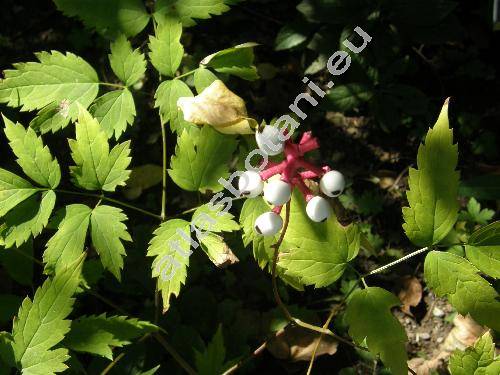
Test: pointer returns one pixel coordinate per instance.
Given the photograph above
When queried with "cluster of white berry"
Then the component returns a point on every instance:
(292, 172)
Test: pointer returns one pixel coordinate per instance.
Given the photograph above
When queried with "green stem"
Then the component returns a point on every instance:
(116, 85)
(186, 74)
(164, 171)
(403, 259)
(116, 201)
(364, 282)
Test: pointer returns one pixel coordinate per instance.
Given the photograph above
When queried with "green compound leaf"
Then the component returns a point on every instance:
(237, 61)
(433, 186)
(171, 251)
(128, 64)
(97, 167)
(109, 18)
(108, 231)
(65, 79)
(489, 234)
(203, 78)
(66, 245)
(475, 214)
(166, 50)
(477, 359)
(211, 360)
(369, 317)
(100, 334)
(50, 118)
(317, 253)
(186, 10)
(454, 277)
(114, 110)
(166, 97)
(13, 190)
(483, 249)
(201, 159)
(28, 218)
(41, 325)
(34, 158)
(211, 218)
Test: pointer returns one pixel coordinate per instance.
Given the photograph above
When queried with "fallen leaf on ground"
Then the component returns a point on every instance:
(410, 294)
(297, 344)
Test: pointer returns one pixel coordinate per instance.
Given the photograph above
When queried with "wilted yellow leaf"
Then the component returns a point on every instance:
(219, 107)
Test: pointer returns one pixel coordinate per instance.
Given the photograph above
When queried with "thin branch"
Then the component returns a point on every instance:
(275, 261)
(32, 258)
(104, 198)
(164, 171)
(332, 314)
(254, 354)
(112, 364)
(174, 354)
(121, 355)
(400, 260)
(190, 210)
(395, 184)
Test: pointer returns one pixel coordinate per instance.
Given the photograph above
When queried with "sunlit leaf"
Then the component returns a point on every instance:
(128, 64)
(454, 277)
(65, 79)
(34, 158)
(433, 186)
(201, 159)
(110, 18)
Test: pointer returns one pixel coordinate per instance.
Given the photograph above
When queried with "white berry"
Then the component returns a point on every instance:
(268, 224)
(277, 192)
(318, 209)
(332, 183)
(250, 184)
(269, 140)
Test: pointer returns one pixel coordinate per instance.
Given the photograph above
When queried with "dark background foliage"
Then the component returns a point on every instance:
(369, 126)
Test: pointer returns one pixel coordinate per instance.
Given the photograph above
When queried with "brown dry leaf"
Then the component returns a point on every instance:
(384, 178)
(297, 344)
(219, 107)
(410, 294)
(464, 333)
(142, 178)
(218, 251)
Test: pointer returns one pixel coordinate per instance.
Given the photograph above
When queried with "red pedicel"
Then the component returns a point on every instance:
(294, 169)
